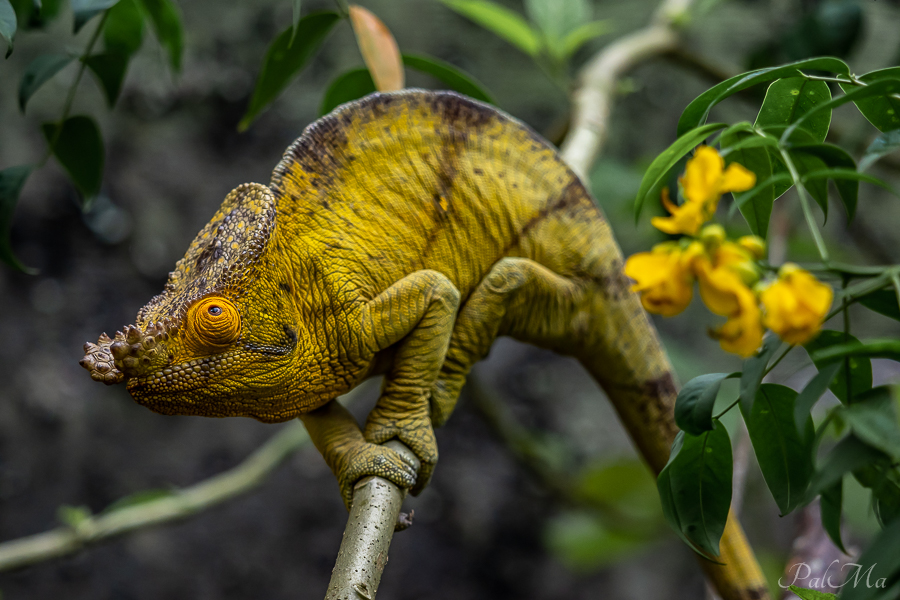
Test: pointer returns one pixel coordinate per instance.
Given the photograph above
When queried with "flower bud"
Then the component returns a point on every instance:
(712, 235)
(754, 244)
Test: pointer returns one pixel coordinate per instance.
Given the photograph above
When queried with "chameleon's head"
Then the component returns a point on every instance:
(209, 344)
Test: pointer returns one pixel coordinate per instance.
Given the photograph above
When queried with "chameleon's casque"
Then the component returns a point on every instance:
(401, 234)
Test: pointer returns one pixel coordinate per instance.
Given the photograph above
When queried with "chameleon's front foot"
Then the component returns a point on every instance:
(337, 436)
(405, 416)
(371, 459)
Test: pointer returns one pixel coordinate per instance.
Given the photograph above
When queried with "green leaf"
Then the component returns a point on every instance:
(777, 180)
(295, 19)
(166, 20)
(501, 21)
(878, 90)
(582, 34)
(884, 481)
(873, 420)
(860, 367)
(12, 180)
(884, 302)
(85, 10)
(7, 25)
(784, 454)
(110, 71)
(831, 503)
(283, 61)
(884, 144)
(697, 111)
(882, 111)
(456, 79)
(836, 157)
(38, 73)
(806, 594)
(883, 556)
(790, 98)
(668, 158)
(848, 455)
(812, 392)
(347, 87)
(73, 516)
(849, 174)
(78, 147)
(694, 405)
(695, 488)
(123, 32)
(556, 18)
(582, 540)
(884, 348)
(626, 484)
(756, 159)
(753, 369)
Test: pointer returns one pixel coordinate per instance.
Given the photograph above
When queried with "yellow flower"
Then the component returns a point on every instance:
(796, 304)
(705, 180)
(686, 218)
(725, 293)
(663, 277)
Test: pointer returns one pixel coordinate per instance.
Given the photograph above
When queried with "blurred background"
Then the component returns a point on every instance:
(538, 493)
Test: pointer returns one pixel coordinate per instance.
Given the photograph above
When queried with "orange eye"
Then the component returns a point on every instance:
(213, 323)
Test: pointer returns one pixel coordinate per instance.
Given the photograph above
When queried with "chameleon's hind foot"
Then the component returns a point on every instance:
(371, 459)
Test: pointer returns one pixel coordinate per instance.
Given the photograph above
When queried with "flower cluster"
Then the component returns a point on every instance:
(726, 271)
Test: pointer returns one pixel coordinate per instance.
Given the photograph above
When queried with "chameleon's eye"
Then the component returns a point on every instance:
(213, 323)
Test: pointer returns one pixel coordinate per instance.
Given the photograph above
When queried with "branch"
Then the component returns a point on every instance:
(593, 98)
(367, 537)
(179, 504)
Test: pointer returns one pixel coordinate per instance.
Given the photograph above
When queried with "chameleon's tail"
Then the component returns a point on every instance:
(623, 353)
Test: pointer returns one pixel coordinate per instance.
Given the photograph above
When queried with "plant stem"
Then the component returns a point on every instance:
(70, 96)
(804, 203)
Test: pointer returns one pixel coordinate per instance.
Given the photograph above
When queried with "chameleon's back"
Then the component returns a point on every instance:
(398, 182)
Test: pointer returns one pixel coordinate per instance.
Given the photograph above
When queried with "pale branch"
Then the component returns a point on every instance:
(173, 506)
(812, 547)
(367, 536)
(593, 97)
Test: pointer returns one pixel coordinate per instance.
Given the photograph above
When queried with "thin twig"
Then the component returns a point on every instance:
(367, 537)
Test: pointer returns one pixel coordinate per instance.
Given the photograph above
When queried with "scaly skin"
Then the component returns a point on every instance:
(401, 235)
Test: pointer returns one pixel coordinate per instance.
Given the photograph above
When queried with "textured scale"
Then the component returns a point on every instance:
(400, 235)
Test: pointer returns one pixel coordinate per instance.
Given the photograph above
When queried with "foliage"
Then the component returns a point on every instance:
(783, 148)
(76, 141)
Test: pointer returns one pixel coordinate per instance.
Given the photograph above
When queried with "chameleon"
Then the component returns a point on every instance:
(399, 236)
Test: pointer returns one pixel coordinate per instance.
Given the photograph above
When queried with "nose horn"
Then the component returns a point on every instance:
(98, 360)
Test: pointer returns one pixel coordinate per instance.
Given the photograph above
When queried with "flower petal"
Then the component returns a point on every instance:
(702, 175)
(737, 178)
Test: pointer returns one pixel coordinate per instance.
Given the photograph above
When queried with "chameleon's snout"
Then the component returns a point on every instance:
(132, 353)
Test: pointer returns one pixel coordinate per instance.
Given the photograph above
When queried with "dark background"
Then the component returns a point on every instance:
(486, 527)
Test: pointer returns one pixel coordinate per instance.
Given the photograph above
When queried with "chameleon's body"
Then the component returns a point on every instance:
(400, 235)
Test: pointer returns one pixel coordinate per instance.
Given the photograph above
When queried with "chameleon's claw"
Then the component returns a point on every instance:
(372, 459)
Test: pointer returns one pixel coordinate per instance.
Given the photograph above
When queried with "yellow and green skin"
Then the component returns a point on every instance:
(400, 235)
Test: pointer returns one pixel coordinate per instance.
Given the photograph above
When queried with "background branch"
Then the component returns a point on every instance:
(177, 505)
(593, 98)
